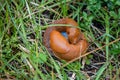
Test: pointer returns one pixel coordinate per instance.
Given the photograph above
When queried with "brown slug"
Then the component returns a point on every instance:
(66, 49)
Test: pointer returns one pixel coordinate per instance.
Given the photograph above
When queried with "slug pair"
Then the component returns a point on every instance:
(62, 48)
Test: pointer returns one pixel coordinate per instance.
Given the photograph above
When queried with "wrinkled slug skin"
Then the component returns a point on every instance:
(57, 44)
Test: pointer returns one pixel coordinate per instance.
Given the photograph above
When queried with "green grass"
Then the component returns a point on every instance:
(23, 55)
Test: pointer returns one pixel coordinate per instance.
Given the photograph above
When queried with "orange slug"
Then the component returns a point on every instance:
(66, 49)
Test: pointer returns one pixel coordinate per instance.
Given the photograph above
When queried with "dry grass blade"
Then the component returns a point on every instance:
(90, 52)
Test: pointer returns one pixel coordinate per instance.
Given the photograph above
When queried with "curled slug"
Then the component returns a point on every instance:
(67, 49)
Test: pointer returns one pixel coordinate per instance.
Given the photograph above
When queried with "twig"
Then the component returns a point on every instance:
(90, 52)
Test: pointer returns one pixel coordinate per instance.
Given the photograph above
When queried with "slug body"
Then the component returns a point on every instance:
(62, 48)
